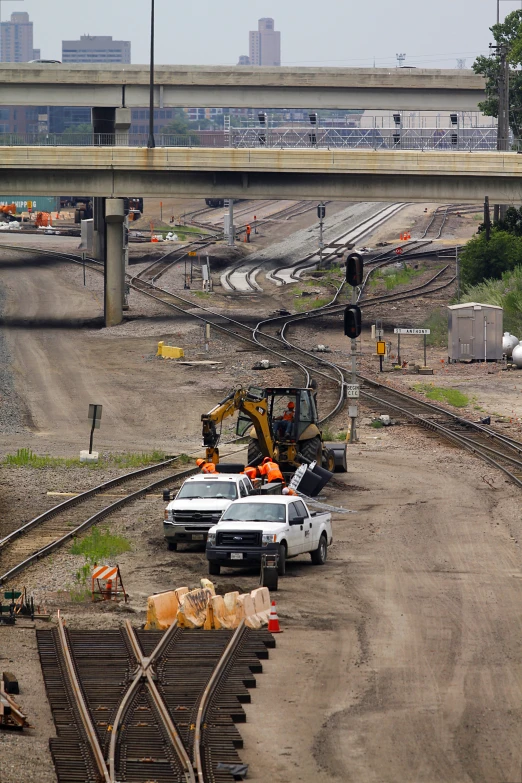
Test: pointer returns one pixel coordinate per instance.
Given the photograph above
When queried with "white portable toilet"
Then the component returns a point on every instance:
(475, 332)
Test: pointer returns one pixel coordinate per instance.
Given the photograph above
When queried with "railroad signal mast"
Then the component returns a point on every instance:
(352, 329)
(321, 214)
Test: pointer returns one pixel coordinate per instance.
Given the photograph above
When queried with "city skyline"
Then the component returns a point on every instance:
(333, 35)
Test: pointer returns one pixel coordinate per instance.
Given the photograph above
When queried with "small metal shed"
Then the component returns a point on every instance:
(475, 332)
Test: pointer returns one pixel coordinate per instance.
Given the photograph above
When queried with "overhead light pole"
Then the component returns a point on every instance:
(504, 1)
(151, 142)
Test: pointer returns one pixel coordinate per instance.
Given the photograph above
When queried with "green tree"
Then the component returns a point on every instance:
(508, 32)
(482, 260)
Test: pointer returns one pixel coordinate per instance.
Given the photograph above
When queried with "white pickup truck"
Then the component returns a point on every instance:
(253, 526)
(199, 504)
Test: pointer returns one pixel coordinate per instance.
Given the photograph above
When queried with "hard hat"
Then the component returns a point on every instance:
(286, 491)
(200, 462)
(291, 405)
(267, 459)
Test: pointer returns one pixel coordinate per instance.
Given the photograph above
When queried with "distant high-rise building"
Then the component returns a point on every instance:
(244, 59)
(16, 39)
(96, 49)
(265, 44)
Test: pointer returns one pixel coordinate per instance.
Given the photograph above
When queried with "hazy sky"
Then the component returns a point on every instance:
(313, 32)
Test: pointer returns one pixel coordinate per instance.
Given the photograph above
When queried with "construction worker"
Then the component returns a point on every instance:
(270, 470)
(206, 467)
(248, 232)
(286, 420)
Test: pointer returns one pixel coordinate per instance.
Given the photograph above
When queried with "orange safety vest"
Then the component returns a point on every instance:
(248, 229)
(271, 471)
(250, 472)
(288, 416)
(208, 467)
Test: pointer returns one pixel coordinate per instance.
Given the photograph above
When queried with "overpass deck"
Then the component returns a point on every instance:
(36, 84)
(304, 174)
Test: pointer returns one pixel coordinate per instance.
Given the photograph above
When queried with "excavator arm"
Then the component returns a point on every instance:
(242, 401)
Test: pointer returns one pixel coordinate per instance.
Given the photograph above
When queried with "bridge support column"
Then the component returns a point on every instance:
(114, 261)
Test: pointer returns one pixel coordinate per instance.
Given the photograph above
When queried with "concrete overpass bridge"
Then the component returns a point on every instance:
(304, 174)
(127, 86)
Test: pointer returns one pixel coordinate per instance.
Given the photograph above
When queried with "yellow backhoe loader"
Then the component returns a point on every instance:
(281, 423)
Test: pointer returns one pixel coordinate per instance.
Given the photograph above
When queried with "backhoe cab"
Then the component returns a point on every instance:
(292, 416)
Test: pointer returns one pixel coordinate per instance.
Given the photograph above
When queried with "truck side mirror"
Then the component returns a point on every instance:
(166, 495)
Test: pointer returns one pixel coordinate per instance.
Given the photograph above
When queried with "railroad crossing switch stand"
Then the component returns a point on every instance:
(107, 584)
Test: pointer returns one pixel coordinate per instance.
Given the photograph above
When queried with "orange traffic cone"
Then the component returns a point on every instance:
(273, 622)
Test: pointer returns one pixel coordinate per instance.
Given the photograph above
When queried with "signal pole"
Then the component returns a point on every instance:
(352, 329)
(321, 213)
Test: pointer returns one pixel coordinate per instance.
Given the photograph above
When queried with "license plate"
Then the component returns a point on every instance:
(236, 555)
(198, 537)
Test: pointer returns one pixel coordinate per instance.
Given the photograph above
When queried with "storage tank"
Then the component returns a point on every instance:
(509, 341)
(517, 355)
(475, 332)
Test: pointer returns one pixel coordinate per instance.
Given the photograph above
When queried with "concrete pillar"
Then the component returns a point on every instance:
(122, 123)
(114, 261)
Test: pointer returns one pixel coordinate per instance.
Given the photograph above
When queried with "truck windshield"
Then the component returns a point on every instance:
(255, 512)
(210, 489)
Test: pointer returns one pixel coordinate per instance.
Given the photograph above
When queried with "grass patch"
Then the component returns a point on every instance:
(401, 277)
(376, 424)
(98, 545)
(437, 323)
(451, 396)
(26, 458)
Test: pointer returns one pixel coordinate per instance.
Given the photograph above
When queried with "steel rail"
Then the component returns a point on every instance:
(143, 673)
(86, 524)
(208, 694)
(81, 497)
(461, 440)
(82, 706)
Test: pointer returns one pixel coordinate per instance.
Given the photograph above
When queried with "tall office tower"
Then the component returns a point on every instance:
(96, 49)
(16, 39)
(265, 44)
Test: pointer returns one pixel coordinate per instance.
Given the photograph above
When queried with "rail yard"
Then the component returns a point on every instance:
(400, 656)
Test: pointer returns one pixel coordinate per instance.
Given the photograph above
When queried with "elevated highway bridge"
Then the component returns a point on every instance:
(296, 174)
(127, 86)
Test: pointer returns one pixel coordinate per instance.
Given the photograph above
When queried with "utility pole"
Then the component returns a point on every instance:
(321, 213)
(499, 211)
(487, 218)
(457, 272)
(151, 143)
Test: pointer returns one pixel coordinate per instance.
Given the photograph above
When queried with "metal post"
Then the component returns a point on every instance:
(83, 260)
(92, 431)
(353, 428)
(457, 272)
(151, 143)
(399, 349)
(321, 242)
(425, 351)
(231, 222)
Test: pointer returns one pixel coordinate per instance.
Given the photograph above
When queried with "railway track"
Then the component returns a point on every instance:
(163, 707)
(501, 452)
(48, 531)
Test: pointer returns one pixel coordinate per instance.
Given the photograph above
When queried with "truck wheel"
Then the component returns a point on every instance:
(214, 569)
(254, 452)
(320, 554)
(281, 565)
(172, 545)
